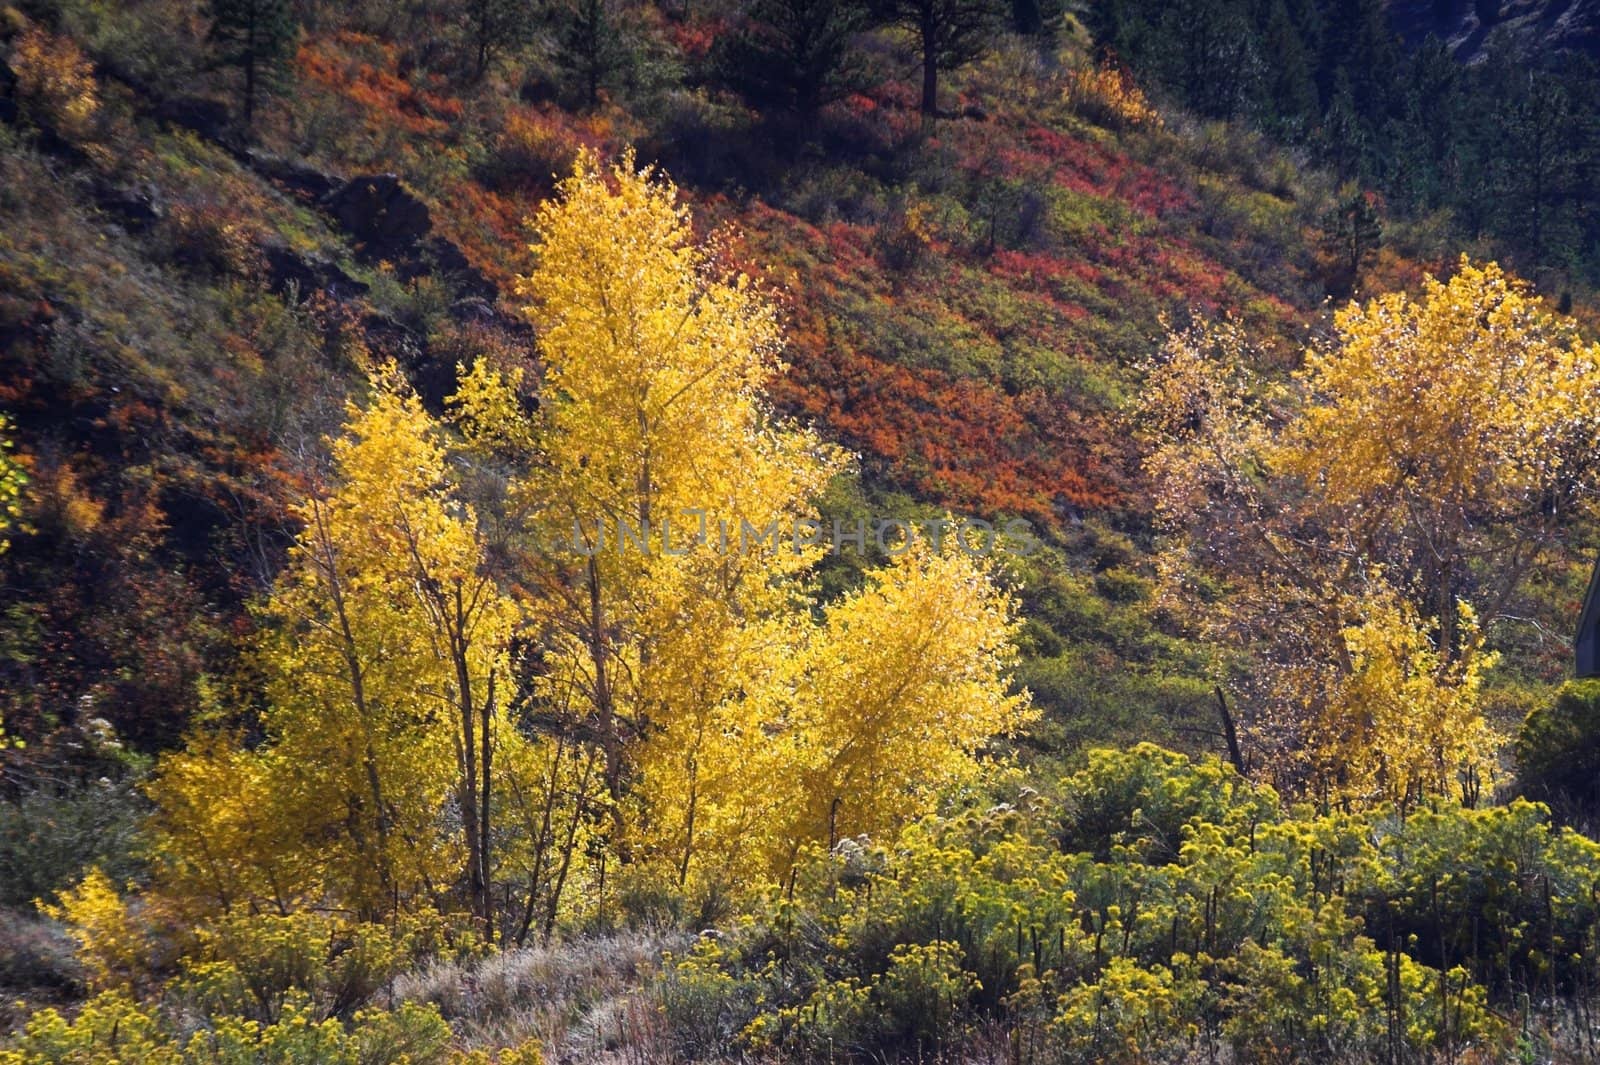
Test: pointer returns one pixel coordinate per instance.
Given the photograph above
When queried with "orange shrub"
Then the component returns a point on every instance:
(56, 83)
(1108, 95)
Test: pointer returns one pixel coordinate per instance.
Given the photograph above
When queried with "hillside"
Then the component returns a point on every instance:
(965, 309)
(316, 320)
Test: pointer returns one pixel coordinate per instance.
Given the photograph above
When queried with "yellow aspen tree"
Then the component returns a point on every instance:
(350, 661)
(903, 681)
(659, 494)
(12, 480)
(111, 945)
(1462, 420)
(383, 653)
(1405, 723)
(652, 427)
(1441, 438)
(223, 835)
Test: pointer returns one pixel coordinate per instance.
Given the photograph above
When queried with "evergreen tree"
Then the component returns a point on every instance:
(595, 47)
(950, 34)
(1288, 88)
(798, 54)
(1428, 132)
(1352, 232)
(1036, 18)
(1207, 54)
(496, 25)
(1120, 30)
(256, 36)
(1539, 163)
(1358, 51)
(1345, 134)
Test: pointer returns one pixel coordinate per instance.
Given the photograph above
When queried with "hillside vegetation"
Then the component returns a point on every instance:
(346, 349)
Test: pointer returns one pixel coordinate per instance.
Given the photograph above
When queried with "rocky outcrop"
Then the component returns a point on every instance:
(300, 180)
(8, 92)
(135, 206)
(1473, 28)
(199, 114)
(378, 211)
(288, 269)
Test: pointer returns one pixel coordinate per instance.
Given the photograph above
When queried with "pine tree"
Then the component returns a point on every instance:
(494, 26)
(799, 54)
(1288, 89)
(1208, 54)
(255, 36)
(1540, 164)
(1352, 232)
(595, 45)
(950, 34)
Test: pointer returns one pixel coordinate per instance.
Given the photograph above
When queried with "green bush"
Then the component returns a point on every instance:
(257, 966)
(112, 1029)
(50, 835)
(1162, 909)
(1558, 753)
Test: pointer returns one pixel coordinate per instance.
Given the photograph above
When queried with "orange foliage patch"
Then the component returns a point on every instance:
(334, 64)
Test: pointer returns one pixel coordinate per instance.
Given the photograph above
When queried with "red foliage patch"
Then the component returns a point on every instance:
(959, 441)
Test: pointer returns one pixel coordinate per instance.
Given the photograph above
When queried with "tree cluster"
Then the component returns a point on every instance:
(517, 665)
(1508, 146)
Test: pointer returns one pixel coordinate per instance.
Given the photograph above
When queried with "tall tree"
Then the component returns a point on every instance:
(1351, 235)
(1540, 163)
(655, 421)
(798, 54)
(1288, 89)
(950, 34)
(1430, 456)
(493, 26)
(255, 36)
(661, 496)
(12, 481)
(1359, 52)
(383, 657)
(1208, 53)
(596, 44)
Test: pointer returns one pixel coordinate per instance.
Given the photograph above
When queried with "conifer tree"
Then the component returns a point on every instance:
(949, 34)
(256, 37)
(799, 54)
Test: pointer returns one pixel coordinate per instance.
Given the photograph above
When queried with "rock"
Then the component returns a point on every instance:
(377, 210)
(433, 378)
(136, 206)
(8, 92)
(447, 260)
(473, 309)
(1471, 29)
(538, 91)
(306, 182)
(287, 267)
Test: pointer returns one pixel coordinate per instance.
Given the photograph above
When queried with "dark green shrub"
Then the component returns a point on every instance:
(49, 835)
(1558, 753)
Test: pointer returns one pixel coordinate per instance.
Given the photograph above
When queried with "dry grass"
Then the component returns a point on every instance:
(579, 998)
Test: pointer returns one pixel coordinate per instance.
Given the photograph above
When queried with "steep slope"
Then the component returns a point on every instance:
(183, 310)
